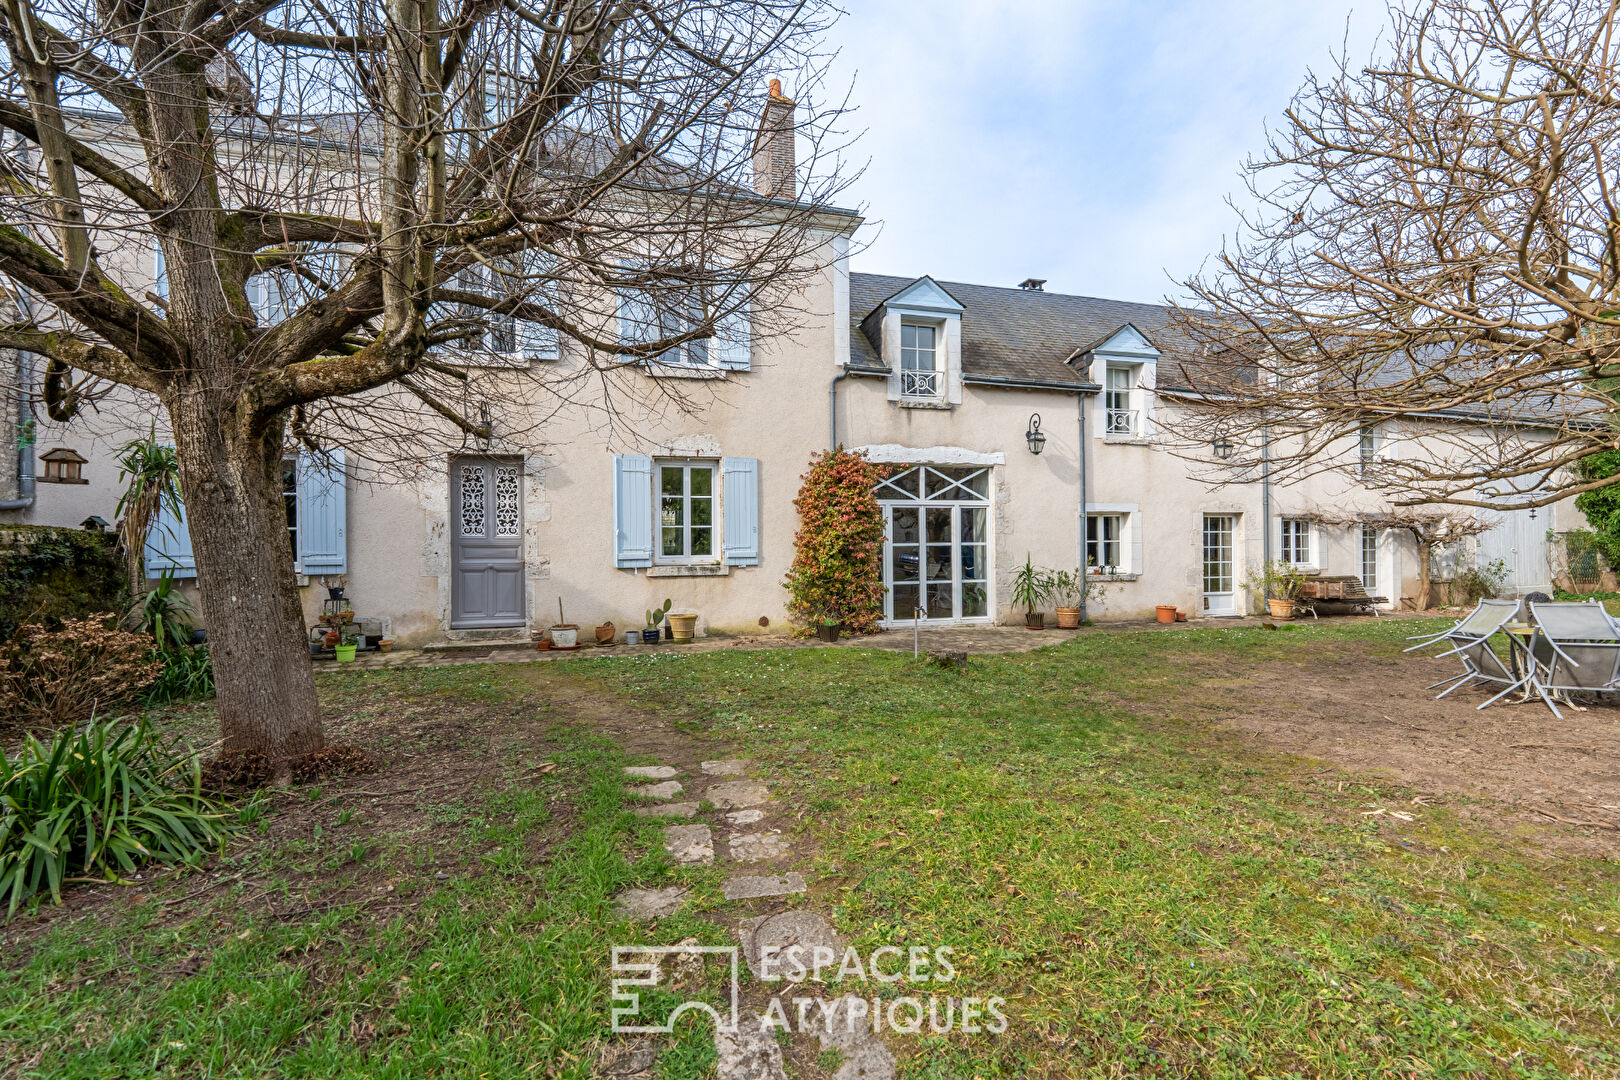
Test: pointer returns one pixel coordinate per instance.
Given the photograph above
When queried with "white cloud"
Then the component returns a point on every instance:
(1089, 143)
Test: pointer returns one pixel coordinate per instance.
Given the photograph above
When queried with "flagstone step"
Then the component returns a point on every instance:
(737, 793)
(652, 772)
(689, 843)
(667, 790)
(752, 886)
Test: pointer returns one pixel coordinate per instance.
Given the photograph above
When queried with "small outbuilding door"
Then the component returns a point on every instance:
(486, 543)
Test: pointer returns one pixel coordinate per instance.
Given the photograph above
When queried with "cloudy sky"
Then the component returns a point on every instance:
(1089, 142)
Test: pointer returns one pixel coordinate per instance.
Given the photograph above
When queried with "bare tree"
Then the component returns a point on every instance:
(1434, 250)
(294, 222)
(1430, 529)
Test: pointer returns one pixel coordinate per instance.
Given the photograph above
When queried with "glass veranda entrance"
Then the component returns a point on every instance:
(936, 546)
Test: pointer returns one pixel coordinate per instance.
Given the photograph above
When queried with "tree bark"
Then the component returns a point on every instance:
(245, 573)
(1425, 565)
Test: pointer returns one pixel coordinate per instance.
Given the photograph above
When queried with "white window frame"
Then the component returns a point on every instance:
(1366, 450)
(487, 352)
(1303, 535)
(687, 465)
(1101, 567)
(1130, 541)
(1369, 540)
(289, 497)
(1122, 423)
(917, 382)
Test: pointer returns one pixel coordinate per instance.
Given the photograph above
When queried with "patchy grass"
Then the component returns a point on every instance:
(1152, 897)
(449, 916)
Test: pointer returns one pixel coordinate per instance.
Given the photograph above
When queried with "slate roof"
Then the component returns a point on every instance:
(1010, 333)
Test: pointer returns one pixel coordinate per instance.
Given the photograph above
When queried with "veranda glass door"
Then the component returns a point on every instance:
(936, 544)
(1220, 570)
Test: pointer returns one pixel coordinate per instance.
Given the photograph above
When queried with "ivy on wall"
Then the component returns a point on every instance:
(837, 571)
(48, 574)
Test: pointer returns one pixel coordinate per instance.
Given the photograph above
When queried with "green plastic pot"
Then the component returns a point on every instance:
(345, 653)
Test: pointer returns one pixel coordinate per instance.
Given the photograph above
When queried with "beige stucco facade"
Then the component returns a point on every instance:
(398, 525)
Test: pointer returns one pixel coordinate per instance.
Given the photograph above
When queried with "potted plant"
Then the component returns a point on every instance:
(1032, 586)
(335, 587)
(344, 651)
(1069, 590)
(827, 629)
(649, 633)
(606, 633)
(1279, 583)
(682, 627)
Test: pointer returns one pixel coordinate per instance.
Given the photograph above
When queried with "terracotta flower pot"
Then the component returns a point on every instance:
(1280, 609)
(1068, 618)
(1165, 613)
(606, 633)
(682, 627)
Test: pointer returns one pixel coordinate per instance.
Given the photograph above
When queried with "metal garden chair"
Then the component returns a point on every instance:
(1576, 647)
(1470, 641)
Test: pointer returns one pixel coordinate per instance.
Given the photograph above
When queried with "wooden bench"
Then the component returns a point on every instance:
(1337, 596)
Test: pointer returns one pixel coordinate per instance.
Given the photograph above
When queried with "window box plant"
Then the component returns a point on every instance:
(1032, 587)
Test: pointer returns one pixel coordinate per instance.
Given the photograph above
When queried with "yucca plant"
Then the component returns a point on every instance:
(96, 804)
(151, 472)
(165, 613)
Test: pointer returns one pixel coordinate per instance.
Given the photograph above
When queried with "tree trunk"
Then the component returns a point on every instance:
(1425, 564)
(250, 604)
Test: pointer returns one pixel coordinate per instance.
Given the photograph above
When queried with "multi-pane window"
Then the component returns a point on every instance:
(1121, 417)
(685, 511)
(1369, 559)
(1366, 449)
(1104, 535)
(289, 499)
(919, 373)
(1296, 541)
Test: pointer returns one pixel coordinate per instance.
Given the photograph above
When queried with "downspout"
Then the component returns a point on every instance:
(1265, 489)
(1085, 573)
(832, 407)
(21, 418)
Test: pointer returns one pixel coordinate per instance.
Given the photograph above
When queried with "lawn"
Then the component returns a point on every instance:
(1152, 895)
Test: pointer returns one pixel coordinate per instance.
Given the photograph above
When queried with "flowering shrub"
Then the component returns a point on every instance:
(60, 677)
(837, 569)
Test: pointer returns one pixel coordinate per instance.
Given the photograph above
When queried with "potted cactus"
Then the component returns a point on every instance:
(655, 616)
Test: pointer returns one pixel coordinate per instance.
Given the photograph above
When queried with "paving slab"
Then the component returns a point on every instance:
(689, 843)
(674, 809)
(667, 790)
(734, 767)
(785, 946)
(737, 793)
(750, 886)
(649, 903)
(757, 847)
(848, 1030)
(749, 1053)
(651, 772)
(745, 817)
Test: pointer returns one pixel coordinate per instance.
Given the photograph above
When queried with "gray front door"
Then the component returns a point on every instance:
(486, 543)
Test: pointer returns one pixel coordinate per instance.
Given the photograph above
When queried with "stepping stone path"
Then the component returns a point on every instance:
(690, 843)
(667, 790)
(737, 793)
(770, 943)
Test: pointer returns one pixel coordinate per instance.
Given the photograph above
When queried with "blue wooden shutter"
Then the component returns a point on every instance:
(168, 544)
(632, 510)
(739, 478)
(733, 340)
(322, 513)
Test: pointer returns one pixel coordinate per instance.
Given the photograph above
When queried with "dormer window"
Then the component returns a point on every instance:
(1119, 399)
(919, 367)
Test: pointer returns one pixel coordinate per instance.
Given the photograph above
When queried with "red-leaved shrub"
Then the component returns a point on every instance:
(837, 568)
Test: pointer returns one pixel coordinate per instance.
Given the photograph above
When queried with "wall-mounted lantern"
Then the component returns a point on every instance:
(1034, 436)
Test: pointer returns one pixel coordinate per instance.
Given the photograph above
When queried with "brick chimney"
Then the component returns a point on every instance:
(774, 162)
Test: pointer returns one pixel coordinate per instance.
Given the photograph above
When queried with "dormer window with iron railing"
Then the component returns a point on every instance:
(1122, 417)
(919, 368)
